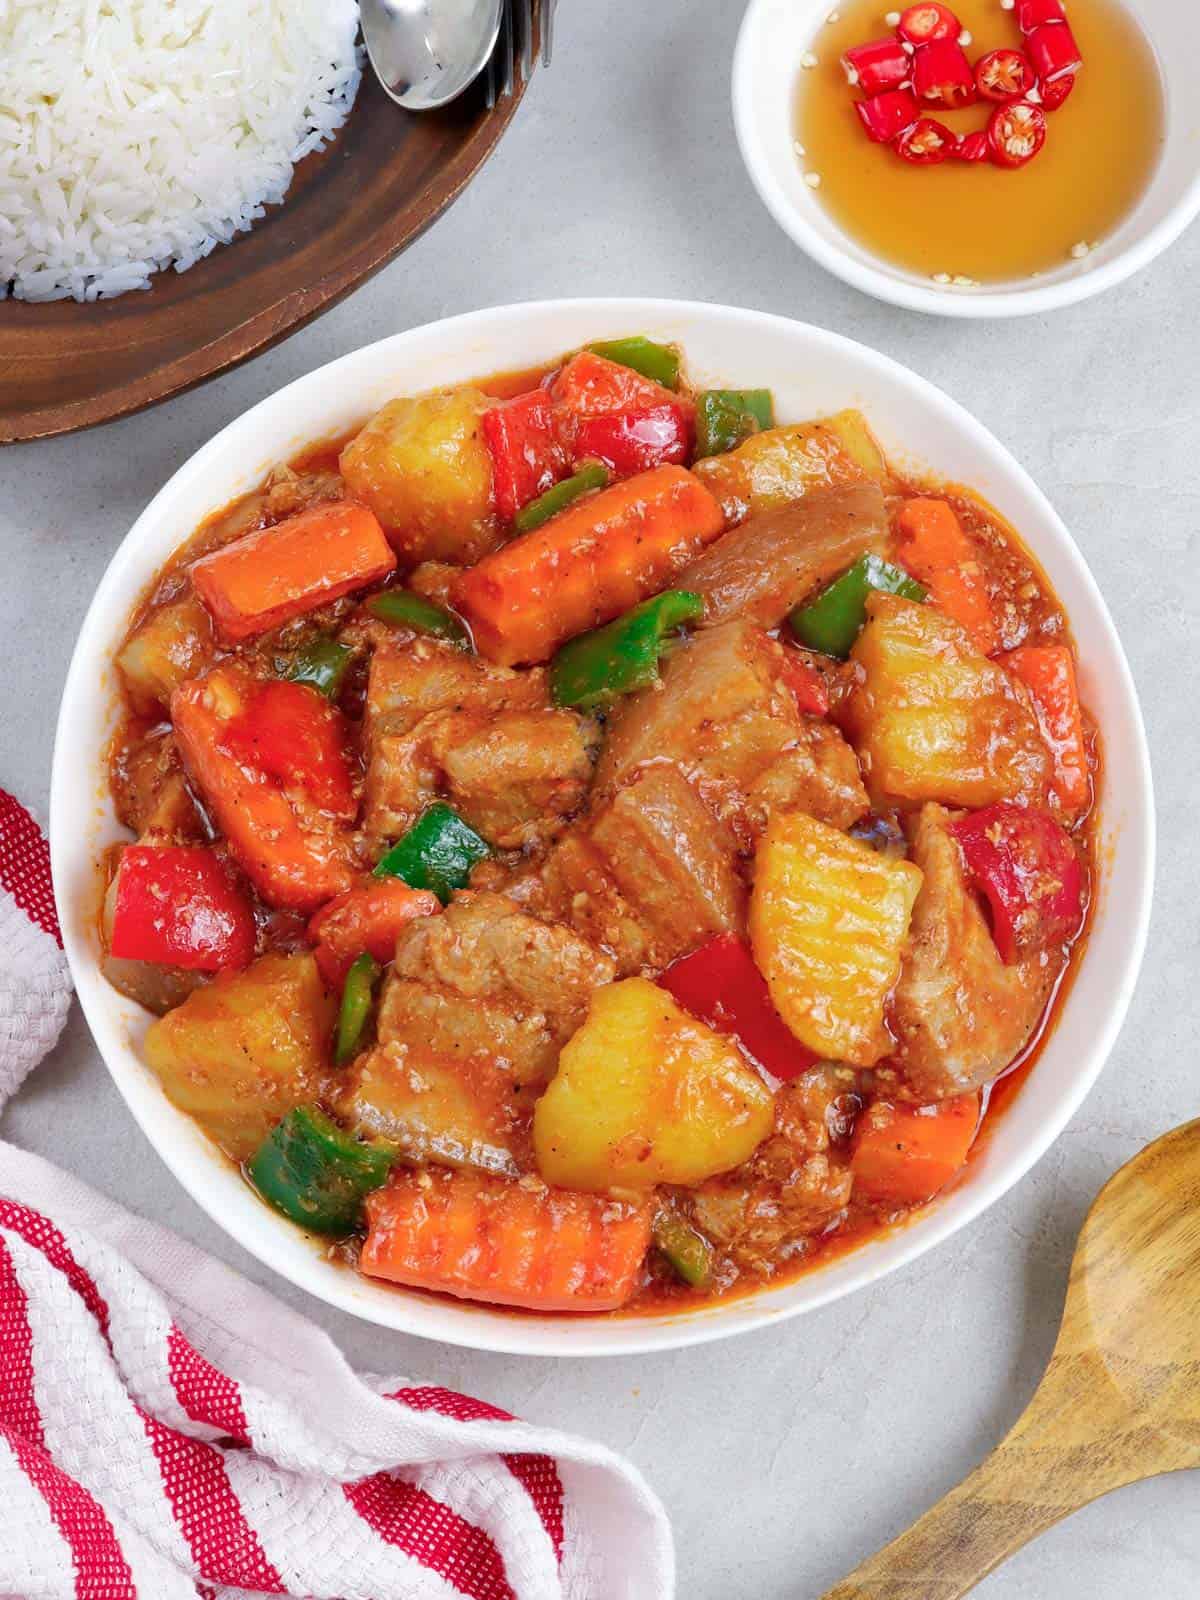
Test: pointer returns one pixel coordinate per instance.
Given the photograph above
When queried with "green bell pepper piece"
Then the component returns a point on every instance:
(404, 609)
(725, 418)
(832, 621)
(436, 853)
(598, 666)
(688, 1252)
(591, 475)
(315, 1172)
(659, 362)
(357, 998)
(322, 664)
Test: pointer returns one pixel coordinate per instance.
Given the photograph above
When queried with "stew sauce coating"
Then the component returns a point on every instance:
(593, 845)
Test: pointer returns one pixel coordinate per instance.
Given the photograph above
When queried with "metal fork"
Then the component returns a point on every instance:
(511, 62)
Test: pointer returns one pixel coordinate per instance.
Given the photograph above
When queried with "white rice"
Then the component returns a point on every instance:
(137, 134)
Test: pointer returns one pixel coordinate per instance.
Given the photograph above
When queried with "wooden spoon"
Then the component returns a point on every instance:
(1120, 1400)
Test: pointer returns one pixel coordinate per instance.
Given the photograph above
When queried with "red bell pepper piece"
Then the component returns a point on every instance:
(1053, 94)
(528, 455)
(927, 143)
(876, 67)
(178, 905)
(942, 75)
(635, 441)
(1016, 133)
(593, 386)
(294, 854)
(368, 918)
(720, 985)
(972, 146)
(885, 116)
(610, 413)
(926, 24)
(1025, 866)
(1033, 14)
(1053, 51)
(808, 686)
(292, 734)
(1004, 75)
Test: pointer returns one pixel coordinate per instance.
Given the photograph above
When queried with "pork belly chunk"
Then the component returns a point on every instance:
(726, 718)
(776, 559)
(960, 1015)
(486, 978)
(440, 721)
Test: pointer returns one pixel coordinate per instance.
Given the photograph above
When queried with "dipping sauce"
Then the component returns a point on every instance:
(976, 220)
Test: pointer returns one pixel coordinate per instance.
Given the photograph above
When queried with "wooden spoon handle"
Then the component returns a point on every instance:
(956, 1543)
(1075, 1442)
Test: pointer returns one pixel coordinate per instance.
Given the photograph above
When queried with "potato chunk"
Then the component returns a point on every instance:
(645, 1094)
(777, 466)
(174, 643)
(245, 1049)
(932, 719)
(828, 920)
(422, 466)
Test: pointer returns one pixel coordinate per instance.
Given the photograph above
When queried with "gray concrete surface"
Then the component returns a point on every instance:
(784, 1457)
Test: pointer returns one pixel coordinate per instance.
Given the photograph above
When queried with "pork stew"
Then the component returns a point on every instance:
(595, 845)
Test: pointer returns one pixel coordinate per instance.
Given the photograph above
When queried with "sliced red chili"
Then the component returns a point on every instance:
(942, 75)
(926, 143)
(876, 67)
(885, 116)
(924, 24)
(1053, 51)
(1016, 133)
(972, 146)
(1033, 14)
(1053, 94)
(1004, 75)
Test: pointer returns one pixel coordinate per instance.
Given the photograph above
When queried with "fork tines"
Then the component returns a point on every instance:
(511, 62)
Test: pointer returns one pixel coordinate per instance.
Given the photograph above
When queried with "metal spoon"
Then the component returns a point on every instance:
(426, 52)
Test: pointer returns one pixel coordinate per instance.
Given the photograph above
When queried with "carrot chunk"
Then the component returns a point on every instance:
(935, 549)
(270, 576)
(1048, 672)
(904, 1155)
(587, 565)
(368, 917)
(294, 854)
(485, 1238)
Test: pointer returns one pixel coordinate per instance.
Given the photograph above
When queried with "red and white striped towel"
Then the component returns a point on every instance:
(169, 1431)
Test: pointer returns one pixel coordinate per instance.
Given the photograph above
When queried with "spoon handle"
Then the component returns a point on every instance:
(1068, 1448)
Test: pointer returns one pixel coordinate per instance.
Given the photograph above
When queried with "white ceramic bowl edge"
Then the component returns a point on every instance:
(773, 36)
(811, 372)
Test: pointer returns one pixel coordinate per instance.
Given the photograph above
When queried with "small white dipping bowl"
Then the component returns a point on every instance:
(811, 372)
(766, 64)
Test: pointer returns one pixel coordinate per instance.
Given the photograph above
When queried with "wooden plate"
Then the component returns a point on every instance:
(350, 209)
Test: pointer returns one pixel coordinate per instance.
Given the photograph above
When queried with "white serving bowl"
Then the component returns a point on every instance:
(766, 63)
(811, 372)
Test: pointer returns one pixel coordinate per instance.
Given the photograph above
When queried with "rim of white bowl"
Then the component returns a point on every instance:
(467, 1324)
(883, 284)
